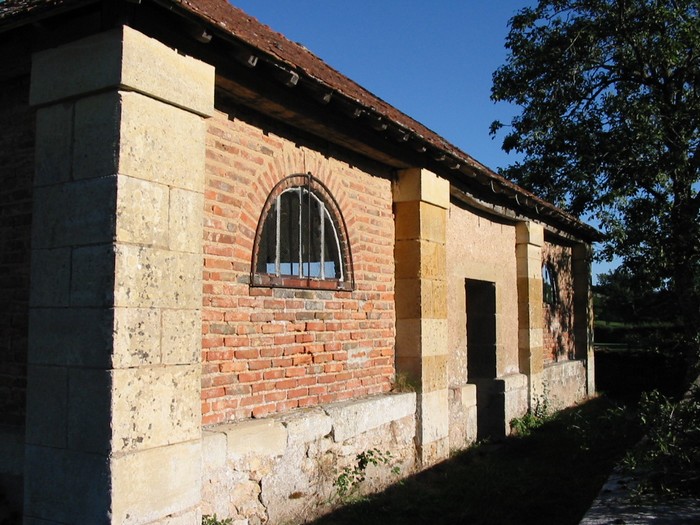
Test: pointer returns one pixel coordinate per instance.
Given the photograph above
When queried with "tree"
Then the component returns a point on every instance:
(610, 129)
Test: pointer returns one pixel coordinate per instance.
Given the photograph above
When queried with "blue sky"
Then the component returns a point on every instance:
(432, 60)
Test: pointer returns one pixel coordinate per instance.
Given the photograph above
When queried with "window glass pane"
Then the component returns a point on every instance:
(289, 233)
(311, 235)
(549, 285)
(331, 250)
(298, 239)
(268, 243)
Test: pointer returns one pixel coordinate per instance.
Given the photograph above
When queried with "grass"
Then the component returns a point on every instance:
(549, 476)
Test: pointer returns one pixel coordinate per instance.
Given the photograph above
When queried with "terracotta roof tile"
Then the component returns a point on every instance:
(234, 22)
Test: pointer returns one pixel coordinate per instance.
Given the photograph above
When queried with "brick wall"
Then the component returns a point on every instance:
(559, 318)
(271, 350)
(16, 171)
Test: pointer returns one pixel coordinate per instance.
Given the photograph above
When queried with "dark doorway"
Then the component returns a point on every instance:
(481, 357)
(481, 328)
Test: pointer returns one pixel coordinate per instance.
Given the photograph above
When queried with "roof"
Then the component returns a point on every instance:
(227, 21)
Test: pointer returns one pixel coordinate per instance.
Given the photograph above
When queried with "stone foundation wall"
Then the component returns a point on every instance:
(564, 384)
(282, 468)
(463, 415)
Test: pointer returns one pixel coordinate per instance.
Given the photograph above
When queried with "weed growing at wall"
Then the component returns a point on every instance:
(523, 426)
(668, 458)
(213, 520)
(348, 481)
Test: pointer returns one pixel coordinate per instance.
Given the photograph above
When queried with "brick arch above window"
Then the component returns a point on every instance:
(301, 240)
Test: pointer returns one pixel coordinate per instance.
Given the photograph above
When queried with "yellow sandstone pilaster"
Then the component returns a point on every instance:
(421, 201)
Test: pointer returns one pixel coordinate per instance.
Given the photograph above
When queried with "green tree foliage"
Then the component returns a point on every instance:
(624, 298)
(610, 128)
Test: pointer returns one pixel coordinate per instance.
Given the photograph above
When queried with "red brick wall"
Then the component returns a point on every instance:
(271, 350)
(16, 173)
(559, 319)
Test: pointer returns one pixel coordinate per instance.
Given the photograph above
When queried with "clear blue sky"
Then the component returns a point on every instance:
(433, 60)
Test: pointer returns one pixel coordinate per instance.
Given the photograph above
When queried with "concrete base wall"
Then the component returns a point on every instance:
(282, 469)
(564, 384)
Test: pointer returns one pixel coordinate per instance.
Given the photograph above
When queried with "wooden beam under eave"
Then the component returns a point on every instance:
(328, 132)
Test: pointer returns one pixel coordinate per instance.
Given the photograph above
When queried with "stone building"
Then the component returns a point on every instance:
(226, 270)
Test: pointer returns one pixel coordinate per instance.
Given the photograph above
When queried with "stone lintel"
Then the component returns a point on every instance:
(122, 59)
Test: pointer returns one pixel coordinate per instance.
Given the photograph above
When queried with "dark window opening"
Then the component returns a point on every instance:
(301, 239)
(550, 291)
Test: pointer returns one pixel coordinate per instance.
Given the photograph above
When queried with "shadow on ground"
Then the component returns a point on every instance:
(549, 477)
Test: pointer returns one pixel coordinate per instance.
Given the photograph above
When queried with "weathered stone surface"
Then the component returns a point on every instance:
(50, 277)
(96, 136)
(65, 486)
(185, 233)
(265, 437)
(528, 232)
(150, 277)
(89, 419)
(122, 57)
(181, 341)
(150, 67)
(155, 406)
(564, 383)
(435, 416)
(75, 213)
(434, 373)
(92, 276)
(71, 336)
(137, 337)
(282, 469)
(516, 397)
(214, 449)
(47, 406)
(142, 212)
(420, 220)
(150, 484)
(161, 143)
(54, 145)
(305, 426)
(354, 417)
(419, 184)
(463, 416)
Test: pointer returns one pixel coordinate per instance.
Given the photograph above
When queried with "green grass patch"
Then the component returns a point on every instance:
(550, 475)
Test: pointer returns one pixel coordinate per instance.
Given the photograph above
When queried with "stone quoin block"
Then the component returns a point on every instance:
(142, 212)
(122, 57)
(54, 144)
(157, 143)
(71, 336)
(155, 406)
(156, 482)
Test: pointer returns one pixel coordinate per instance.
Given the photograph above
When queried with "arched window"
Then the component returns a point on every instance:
(301, 238)
(550, 290)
